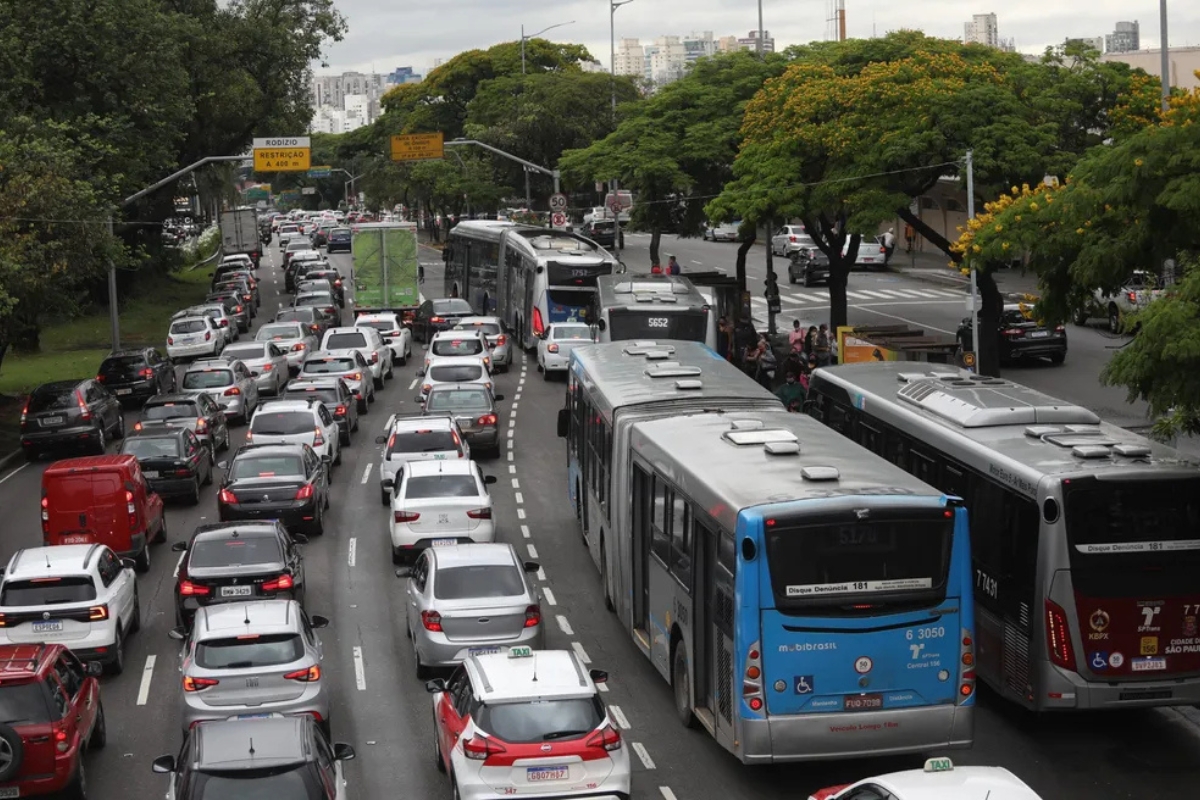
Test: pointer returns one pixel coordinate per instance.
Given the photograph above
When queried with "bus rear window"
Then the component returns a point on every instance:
(689, 325)
(859, 565)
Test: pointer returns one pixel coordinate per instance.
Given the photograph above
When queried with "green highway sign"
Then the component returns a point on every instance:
(319, 172)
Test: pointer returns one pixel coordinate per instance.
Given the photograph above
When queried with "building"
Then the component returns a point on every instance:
(666, 60)
(630, 58)
(1094, 42)
(1183, 62)
(402, 75)
(728, 44)
(982, 29)
(331, 90)
(1126, 38)
(592, 66)
(751, 42)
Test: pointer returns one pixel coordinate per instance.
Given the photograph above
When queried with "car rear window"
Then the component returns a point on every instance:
(457, 347)
(208, 379)
(265, 783)
(456, 373)
(278, 332)
(242, 551)
(423, 441)
(451, 305)
(266, 466)
(48, 591)
(282, 423)
(48, 399)
(328, 395)
(541, 721)
(122, 362)
(383, 326)
(23, 704)
(246, 352)
(345, 341)
(302, 314)
(170, 411)
(425, 487)
(314, 300)
(151, 446)
(487, 328)
(328, 366)
(572, 332)
(249, 650)
(458, 400)
(188, 326)
(478, 580)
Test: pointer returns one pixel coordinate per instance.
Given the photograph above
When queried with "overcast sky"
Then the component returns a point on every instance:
(385, 35)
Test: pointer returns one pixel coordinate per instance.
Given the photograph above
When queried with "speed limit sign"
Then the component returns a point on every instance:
(558, 202)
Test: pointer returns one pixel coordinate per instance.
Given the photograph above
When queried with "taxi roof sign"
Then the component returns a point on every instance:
(939, 765)
(520, 652)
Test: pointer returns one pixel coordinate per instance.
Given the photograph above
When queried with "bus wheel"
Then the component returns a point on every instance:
(682, 686)
(608, 603)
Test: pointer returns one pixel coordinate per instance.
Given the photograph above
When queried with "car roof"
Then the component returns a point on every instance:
(455, 386)
(270, 448)
(454, 334)
(499, 678)
(345, 329)
(190, 318)
(26, 661)
(480, 318)
(440, 421)
(32, 562)
(377, 315)
(211, 365)
(117, 462)
(252, 743)
(158, 433)
(314, 294)
(261, 617)
(286, 404)
(959, 783)
(164, 399)
(421, 469)
(129, 351)
(475, 554)
(58, 386)
(332, 355)
(315, 382)
(230, 530)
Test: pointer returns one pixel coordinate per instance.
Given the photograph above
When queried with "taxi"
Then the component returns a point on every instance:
(530, 724)
(939, 780)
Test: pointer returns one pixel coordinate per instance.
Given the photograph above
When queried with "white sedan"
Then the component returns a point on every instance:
(454, 369)
(436, 503)
(939, 780)
(394, 333)
(554, 349)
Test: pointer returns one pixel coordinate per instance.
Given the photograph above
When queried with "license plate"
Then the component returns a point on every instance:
(52, 626)
(124, 391)
(443, 542)
(482, 651)
(78, 538)
(237, 591)
(52, 420)
(538, 774)
(150, 473)
(10, 791)
(1147, 664)
(863, 702)
(1039, 334)
(253, 716)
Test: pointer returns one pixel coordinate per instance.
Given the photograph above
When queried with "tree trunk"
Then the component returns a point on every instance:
(987, 349)
(740, 268)
(839, 277)
(655, 238)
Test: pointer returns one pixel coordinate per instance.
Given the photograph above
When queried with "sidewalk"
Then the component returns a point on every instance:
(932, 268)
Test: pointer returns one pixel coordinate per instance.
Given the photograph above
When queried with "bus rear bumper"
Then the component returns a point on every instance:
(820, 737)
(1069, 692)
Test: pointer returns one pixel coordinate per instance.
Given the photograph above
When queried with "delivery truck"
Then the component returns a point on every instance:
(240, 234)
(385, 268)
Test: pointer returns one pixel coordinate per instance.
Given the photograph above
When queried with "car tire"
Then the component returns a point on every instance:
(31, 454)
(385, 497)
(119, 431)
(117, 665)
(423, 672)
(162, 530)
(681, 686)
(391, 370)
(194, 498)
(1081, 317)
(99, 735)
(101, 443)
(13, 748)
(337, 461)
(397, 556)
(1057, 359)
(377, 382)
(142, 562)
(362, 406)
(545, 375)
(608, 603)
(77, 789)
(135, 622)
(208, 476)
(808, 281)
(318, 525)
(1114, 320)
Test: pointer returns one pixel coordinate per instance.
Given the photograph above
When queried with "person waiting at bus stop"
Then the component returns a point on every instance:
(792, 392)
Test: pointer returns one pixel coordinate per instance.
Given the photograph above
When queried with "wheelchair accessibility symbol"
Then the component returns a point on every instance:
(804, 684)
(1099, 661)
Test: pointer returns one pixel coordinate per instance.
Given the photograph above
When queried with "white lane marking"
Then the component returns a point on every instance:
(875, 295)
(550, 598)
(643, 754)
(516, 399)
(694, 261)
(512, 469)
(857, 295)
(521, 382)
(515, 405)
(947, 293)
(619, 716)
(360, 673)
(564, 625)
(14, 472)
(179, 563)
(583, 656)
(666, 792)
(908, 321)
(510, 433)
(525, 531)
(891, 293)
(520, 498)
(520, 513)
(352, 552)
(516, 482)
(532, 550)
(602, 687)
(367, 473)
(787, 298)
(147, 676)
(510, 453)
(541, 573)
(512, 423)
(413, 385)
(813, 298)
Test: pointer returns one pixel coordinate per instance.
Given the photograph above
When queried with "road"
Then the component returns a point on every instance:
(384, 711)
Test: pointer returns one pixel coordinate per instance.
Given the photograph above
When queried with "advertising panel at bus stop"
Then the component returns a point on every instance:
(855, 350)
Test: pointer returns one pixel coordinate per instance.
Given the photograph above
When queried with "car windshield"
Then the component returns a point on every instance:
(422, 441)
(208, 379)
(48, 591)
(264, 466)
(282, 423)
(234, 551)
(456, 373)
(122, 362)
(151, 446)
(571, 332)
(268, 332)
(188, 326)
(451, 305)
(249, 650)
(23, 703)
(345, 341)
(542, 720)
(478, 580)
(52, 399)
(170, 411)
(255, 784)
(425, 487)
(245, 352)
(328, 366)
(458, 400)
(457, 347)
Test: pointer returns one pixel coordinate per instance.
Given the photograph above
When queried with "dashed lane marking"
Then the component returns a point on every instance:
(512, 469)
(619, 716)
(541, 573)
(510, 433)
(510, 453)
(147, 676)
(643, 754)
(564, 625)
(360, 672)
(666, 792)
(520, 513)
(583, 656)
(520, 498)
(550, 598)
(413, 385)
(14, 472)
(532, 550)
(352, 551)
(367, 473)
(516, 483)
(525, 531)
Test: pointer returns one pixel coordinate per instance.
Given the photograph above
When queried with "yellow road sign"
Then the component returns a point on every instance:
(418, 147)
(282, 159)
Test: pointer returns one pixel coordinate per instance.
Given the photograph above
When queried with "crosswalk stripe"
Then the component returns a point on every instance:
(858, 295)
(875, 295)
(813, 298)
(787, 298)
(892, 293)
(944, 293)
(910, 293)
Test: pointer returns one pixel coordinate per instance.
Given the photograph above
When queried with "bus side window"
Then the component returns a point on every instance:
(837, 416)
(870, 438)
(681, 541)
(660, 543)
(923, 467)
(727, 552)
(954, 481)
(895, 448)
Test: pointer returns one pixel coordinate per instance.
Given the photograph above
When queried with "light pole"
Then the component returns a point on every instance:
(613, 5)
(1165, 64)
(759, 45)
(525, 38)
(347, 185)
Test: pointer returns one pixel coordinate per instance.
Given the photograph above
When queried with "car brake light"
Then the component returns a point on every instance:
(551, 348)
(296, 348)
(426, 387)
(84, 411)
(281, 583)
(501, 340)
(478, 748)
(432, 621)
(339, 411)
(45, 514)
(539, 327)
(436, 319)
(1012, 332)
(608, 738)
(25, 412)
(354, 376)
(232, 391)
(227, 497)
(237, 310)
(191, 684)
(314, 328)
(752, 689)
(533, 614)
(966, 685)
(480, 513)
(309, 675)
(146, 373)
(1060, 328)
(268, 367)
(101, 378)
(1133, 297)
(1058, 636)
(374, 358)
(208, 336)
(791, 238)
(486, 419)
(406, 516)
(97, 613)
(189, 589)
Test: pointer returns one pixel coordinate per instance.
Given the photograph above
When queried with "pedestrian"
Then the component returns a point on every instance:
(889, 245)
(762, 357)
(673, 267)
(908, 237)
(810, 341)
(796, 336)
(791, 392)
(744, 338)
(806, 375)
(823, 352)
(794, 363)
(724, 336)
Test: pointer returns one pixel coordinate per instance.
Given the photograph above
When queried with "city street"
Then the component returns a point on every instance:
(382, 708)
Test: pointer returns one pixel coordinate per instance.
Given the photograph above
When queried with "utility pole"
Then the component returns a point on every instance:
(759, 44)
(974, 271)
(613, 5)
(772, 285)
(1165, 64)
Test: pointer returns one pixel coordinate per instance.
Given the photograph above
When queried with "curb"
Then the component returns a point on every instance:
(949, 279)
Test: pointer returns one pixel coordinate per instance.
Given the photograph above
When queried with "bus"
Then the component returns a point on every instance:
(472, 258)
(546, 276)
(651, 307)
(1085, 537)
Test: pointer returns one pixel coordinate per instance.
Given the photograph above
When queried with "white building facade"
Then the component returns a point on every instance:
(982, 29)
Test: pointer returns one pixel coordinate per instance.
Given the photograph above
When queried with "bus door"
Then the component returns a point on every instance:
(642, 495)
(712, 631)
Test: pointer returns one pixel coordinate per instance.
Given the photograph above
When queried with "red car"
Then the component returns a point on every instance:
(53, 700)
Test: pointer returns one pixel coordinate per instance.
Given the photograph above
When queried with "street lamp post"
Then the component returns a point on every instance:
(349, 184)
(525, 38)
(613, 5)
(1165, 63)
(759, 44)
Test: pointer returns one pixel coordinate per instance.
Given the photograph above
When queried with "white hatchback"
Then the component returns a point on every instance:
(421, 438)
(395, 334)
(366, 341)
(297, 422)
(554, 349)
(437, 503)
(193, 337)
(453, 369)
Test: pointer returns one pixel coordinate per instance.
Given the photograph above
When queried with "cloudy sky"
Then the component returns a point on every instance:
(385, 35)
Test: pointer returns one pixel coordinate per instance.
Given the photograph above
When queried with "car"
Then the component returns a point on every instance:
(540, 709)
(198, 412)
(432, 437)
(348, 365)
(555, 346)
(230, 302)
(228, 563)
(473, 408)
(790, 238)
(1139, 290)
(321, 235)
(808, 264)
(722, 231)
(243, 313)
(298, 420)
(454, 369)
(339, 241)
(439, 315)
(237, 260)
(369, 343)
(294, 246)
(60, 717)
(245, 289)
(305, 284)
(437, 503)
(335, 280)
(268, 364)
(226, 324)
(324, 301)
(250, 659)
(499, 347)
(228, 382)
(194, 337)
(465, 600)
(288, 482)
(1021, 336)
(455, 342)
(395, 334)
(102, 500)
(337, 397)
(82, 596)
(70, 413)
(938, 779)
(870, 252)
(217, 754)
(312, 318)
(299, 266)
(173, 460)
(136, 374)
(604, 233)
(236, 271)
(293, 338)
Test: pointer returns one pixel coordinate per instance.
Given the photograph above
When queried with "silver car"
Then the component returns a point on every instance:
(250, 660)
(229, 382)
(266, 362)
(295, 340)
(466, 600)
(227, 326)
(498, 342)
(350, 366)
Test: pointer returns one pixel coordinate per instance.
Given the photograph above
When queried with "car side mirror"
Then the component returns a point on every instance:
(601, 324)
(223, 465)
(317, 621)
(128, 563)
(388, 483)
(164, 764)
(499, 398)
(326, 459)
(564, 422)
(95, 669)
(419, 400)
(598, 676)
(436, 685)
(489, 479)
(421, 373)
(178, 634)
(179, 547)
(343, 752)
(299, 538)
(381, 440)
(531, 566)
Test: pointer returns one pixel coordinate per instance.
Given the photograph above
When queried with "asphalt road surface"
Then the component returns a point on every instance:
(383, 710)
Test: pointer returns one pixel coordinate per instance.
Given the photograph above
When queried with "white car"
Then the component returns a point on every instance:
(499, 346)
(790, 239)
(194, 337)
(366, 341)
(82, 596)
(395, 334)
(723, 231)
(554, 349)
(454, 369)
(535, 726)
(298, 422)
(456, 342)
(437, 503)
(939, 779)
(267, 363)
(870, 253)
(294, 339)
(405, 439)
(348, 365)
(239, 258)
(225, 324)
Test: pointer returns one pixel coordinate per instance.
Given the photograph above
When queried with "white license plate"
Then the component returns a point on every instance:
(253, 716)
(9, 791)
(482, 651)
(237, 591)
(1039, 334)
(124, 391)
(80, 538)
(443, 542)
(149, 474)
(538, 774)
(52, 420)
(51, 626)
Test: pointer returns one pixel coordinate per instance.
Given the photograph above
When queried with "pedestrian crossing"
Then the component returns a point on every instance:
(820, 296)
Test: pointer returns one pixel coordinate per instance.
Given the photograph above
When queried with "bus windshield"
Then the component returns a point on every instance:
(859, 565)
(686, 324)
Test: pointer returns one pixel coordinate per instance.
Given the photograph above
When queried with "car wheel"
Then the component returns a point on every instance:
(119, 433)
(318, 525)
(31, 454)
(1114, 319)
(194, 497)
(391, 370)
(135, 622)
(437, 754)
(77, 790)
(142, 562)
(1058, 358)
(545, 374)
(608, 603)
(99, 736)
(101, 441)
(385, 497)
(681, 683)
(354, 427)
(117, 665)
(1081, 317)
(808, 281)
(208, 476)
(12, 752)
(362, 407)
(162, 531)
(377, 383)
(423, 672)
(397, 556)
(337, 460)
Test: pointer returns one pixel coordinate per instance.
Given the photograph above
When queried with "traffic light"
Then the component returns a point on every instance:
(772, 284)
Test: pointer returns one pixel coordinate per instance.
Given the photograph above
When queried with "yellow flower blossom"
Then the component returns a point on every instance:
(1079, 231)
(1033, 206)
(1017, 218)
(1005, 246)
(976, 249)
(1137, 162)
(998, 228)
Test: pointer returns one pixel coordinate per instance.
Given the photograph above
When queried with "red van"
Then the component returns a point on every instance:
(103, 500)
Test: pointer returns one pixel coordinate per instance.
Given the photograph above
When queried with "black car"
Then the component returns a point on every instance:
(335, 280)
(287, 482)
(338, 241)
(808, 264)
(316, 319)
(234, 307)
(297, 267)
(71, 413)
(336, 396)
(174, 461)
(243, 561)
(137, 374)
(603, 233)
(274, 757)
(1021, 337)
(439, 315)
(199, 413)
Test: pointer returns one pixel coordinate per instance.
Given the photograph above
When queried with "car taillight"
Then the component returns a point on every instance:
(1060, 328)
(268, 367)
(101, 378)
(501, 340)
(966, 653)
(436, 320)
(1058, 636)
(97, 613)
(354, 376)
(486, 419)
(170, 340)
(247, 297)
(539, 326)
(224, 323)
(191, 684)
(752, 690)
(282, 583)
(304, 492)
(339, 411)
(374, 358)
(432, 621)
(309, 675)
(208, 336)
(337, 283)
(201, 424)
(232, 391)
(480, 513)
(237, 310)
(146, 373)
(25, 412)
(84, 412)
(478, 748)
(791, 238)
(1012, 332)
(45, 514)
(189, 589)
(227, 497)
(314, 328)
(533, 614)
(551, 348)
(61, 739)
(607, 738)
(1133, 297)
(130, 509)
(426, 387)
(406, 516)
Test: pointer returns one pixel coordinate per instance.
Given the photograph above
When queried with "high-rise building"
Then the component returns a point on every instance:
(751, 42)
(727, 44)
(1094, 42)
(402, 75)
(630, 58)
(331, 90)
(982, 29)
(666, 60)
(1125, 38)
